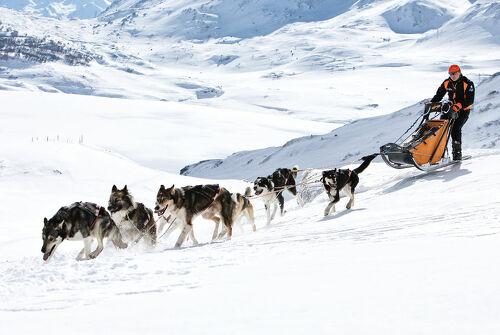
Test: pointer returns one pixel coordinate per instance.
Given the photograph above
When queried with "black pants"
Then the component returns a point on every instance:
(456, 133)
(456, 130)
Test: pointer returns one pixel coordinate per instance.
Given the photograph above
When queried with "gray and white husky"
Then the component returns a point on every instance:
(80, 221)
(133, 218)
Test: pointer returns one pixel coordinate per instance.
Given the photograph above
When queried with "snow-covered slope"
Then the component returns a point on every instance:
(417, 248)
(478, 26)
(81, 9)
(355, 140)
(416, 17)
(195, 19)
(160, 135)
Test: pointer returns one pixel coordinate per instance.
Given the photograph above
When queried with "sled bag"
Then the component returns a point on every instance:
(423, 152)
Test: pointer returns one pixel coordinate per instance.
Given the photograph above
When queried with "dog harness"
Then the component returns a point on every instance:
(96, 213)
(145, 222)
(216, 196)
(329, 187)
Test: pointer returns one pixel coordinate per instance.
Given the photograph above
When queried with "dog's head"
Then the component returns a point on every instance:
(165, 199)
(120, 199)
(330, 179)
(262, 184)
(53, 232)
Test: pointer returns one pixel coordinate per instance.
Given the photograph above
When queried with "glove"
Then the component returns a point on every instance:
(456, 107)
(446, 107)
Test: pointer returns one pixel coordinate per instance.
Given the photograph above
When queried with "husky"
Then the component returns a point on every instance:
(242, 207)
(80, 221)
(133, 218)
(272, 187)
(343, 179)
(184, 204)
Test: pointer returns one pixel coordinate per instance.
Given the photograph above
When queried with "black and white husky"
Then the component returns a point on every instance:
(270, 189)
(343, 179)
(80, 221)
(182, 205)
(133, 218)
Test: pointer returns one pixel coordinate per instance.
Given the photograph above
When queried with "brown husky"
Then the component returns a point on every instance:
(242, 208)
(184, 204)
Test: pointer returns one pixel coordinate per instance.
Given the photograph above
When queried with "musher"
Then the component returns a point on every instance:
(461, 94)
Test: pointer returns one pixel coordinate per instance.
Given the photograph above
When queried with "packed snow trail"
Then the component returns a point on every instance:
(412, 248)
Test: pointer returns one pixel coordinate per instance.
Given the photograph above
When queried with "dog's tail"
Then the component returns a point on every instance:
(248, 192)
(366, 161)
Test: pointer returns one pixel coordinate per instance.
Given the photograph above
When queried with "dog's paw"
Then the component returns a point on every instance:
(92, 255)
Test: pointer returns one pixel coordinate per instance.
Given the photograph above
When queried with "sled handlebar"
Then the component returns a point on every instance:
(436, 107)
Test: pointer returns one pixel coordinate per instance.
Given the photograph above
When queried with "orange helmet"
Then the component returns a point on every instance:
(454, 68)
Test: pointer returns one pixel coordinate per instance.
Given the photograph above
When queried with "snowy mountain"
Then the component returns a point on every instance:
(477, 26)
(42, 50)
(194, 19)
(135, 40)
(81, 9)
(215, 19)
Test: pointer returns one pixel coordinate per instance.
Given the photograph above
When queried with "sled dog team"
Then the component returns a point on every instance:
(128, 221)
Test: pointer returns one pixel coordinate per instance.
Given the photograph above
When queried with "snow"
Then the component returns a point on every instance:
(415, 254)
(215, 19)
(82, 9)
(332, 149)
(414, 17)
(171, 132)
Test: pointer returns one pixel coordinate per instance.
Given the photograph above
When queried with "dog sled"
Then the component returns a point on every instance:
(426, 148)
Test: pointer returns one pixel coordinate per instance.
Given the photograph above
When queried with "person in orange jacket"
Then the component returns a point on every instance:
(461, 94)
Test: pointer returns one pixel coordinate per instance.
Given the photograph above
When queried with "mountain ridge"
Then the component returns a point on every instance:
(62, 9)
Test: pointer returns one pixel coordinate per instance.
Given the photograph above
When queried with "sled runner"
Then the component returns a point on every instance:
(426, 148)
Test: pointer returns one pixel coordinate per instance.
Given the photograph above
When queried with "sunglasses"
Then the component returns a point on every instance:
(453, 73)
